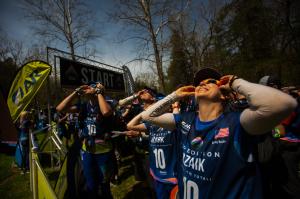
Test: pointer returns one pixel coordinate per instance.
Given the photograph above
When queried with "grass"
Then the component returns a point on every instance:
(6, 163)
(129, 187)
(13, 185)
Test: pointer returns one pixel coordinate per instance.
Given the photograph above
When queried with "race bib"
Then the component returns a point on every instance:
(91, 129)
(91, 126)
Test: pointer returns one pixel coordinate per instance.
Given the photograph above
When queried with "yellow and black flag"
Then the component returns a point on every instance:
(29, 79)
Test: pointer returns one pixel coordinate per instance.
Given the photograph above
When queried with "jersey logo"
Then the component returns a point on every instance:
(197, 142)
(224, 132)
(185, 127)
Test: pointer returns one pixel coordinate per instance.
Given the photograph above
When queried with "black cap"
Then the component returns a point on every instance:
(151, 91)
(270, 80)
(206, 73)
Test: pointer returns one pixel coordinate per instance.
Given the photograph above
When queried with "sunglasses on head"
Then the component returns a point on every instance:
(210, 81)
(93, 85)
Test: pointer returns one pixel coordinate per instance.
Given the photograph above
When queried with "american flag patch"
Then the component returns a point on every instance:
(222, 133)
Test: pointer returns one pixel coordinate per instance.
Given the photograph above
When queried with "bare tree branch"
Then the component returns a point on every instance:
(63, 20)
(148, 18)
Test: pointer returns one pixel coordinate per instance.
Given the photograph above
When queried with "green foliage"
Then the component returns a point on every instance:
(251, 40)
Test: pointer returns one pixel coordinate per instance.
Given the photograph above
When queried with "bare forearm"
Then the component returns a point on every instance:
(135, 124)
(161, 106)
(128, 100)
(154, 114)
(268, 106)
(135, 121)
(66, 102)
(104, 106)
(62, 119)
(125, 113)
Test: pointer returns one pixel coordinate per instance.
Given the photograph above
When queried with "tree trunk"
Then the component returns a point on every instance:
(71, 45)
(158, 63)
(146, 8)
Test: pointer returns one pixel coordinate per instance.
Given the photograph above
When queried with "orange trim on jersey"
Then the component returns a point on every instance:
(174, 192)
(167, 180)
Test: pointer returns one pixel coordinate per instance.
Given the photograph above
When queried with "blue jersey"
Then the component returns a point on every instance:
(292, 127)
(162, 154)
(95, 128)
(24, 131)
(92, 121)
(216, 159)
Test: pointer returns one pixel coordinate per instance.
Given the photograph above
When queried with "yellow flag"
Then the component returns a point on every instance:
(28, 81)
(62, 182)
(43, 187)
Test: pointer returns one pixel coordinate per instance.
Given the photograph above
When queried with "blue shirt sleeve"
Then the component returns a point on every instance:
(79, 105)
(244, 143)
(147, 125)
(177, 118)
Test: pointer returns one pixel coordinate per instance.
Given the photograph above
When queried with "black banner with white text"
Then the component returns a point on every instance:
(73, 74)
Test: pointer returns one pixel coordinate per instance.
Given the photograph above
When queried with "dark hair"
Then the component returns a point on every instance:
(206, 73)
(151, 91)
(270, 80)
(274, 81)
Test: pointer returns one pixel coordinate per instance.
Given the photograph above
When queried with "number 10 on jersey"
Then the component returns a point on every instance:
(159, 158)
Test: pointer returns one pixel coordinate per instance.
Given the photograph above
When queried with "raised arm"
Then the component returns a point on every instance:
(104, 106)
(136, 125)
(130, 99)
(268, 106)
(65, 105)
(63, 118)
(156, 113)
(127, 100)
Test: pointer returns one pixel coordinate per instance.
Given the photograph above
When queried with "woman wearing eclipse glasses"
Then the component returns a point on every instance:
(216, 147)
(95, 127)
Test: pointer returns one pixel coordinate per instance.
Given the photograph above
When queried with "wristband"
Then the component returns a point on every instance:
(99, 91)
(232, 80)
(78, 91)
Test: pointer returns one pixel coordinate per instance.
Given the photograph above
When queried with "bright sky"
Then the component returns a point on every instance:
(17, 27)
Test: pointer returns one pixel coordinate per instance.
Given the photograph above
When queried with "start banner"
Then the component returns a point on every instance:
(29, 79)
(74, 73)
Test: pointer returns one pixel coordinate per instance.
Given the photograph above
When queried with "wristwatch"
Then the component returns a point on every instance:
(99, 91)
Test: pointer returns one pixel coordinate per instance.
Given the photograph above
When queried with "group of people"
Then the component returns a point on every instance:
(222, 137)
(28, 122)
